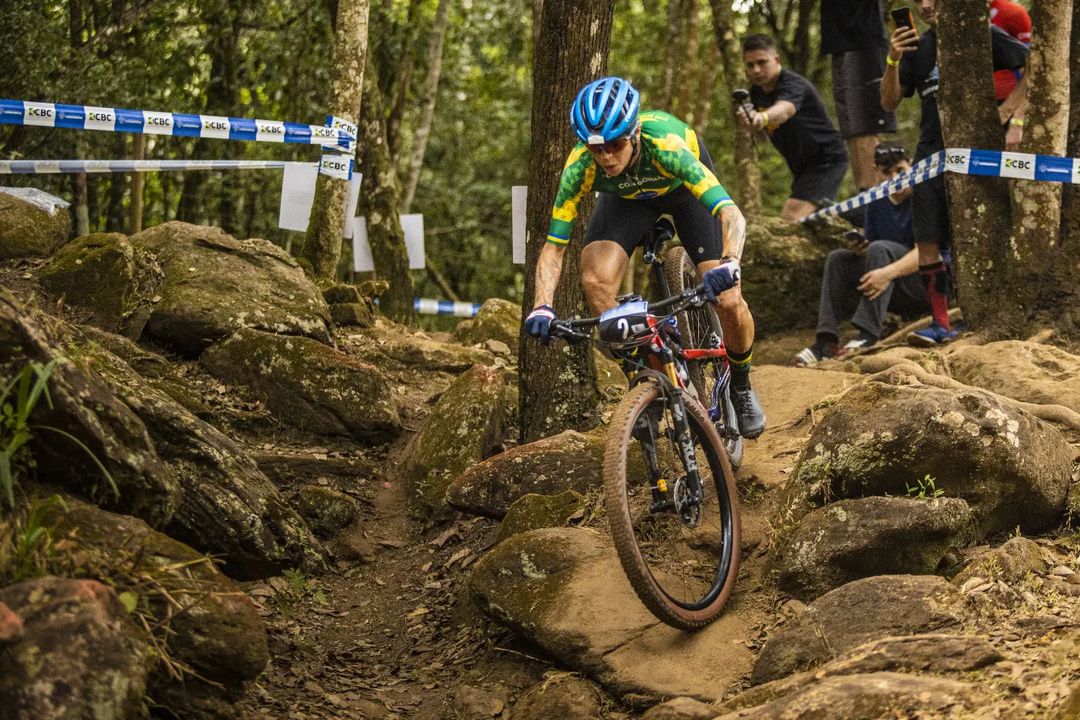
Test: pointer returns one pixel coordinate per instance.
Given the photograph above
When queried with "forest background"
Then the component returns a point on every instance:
(271, 59)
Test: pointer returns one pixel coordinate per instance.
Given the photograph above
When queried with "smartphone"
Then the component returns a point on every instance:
(902, 17)
(855, 237)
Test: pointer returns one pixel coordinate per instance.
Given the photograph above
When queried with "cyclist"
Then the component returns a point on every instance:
(644, 166)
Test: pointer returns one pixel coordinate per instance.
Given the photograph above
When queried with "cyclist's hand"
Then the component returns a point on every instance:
(538, 323)
(722, 277)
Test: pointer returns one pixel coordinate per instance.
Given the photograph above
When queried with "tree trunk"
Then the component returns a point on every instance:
(978, 206)
(427, 101)
(115, 215)
(690, 62)
(138, 182)
(747, 190)
(558, 385)
(1042, 284)
(322, 243)
(702, 110)
(1071, 200)
(380, 203)
(81, 210)
(671, 52)
(399, 88)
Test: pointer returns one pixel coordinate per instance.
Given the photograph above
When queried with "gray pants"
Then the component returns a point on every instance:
(840, 281)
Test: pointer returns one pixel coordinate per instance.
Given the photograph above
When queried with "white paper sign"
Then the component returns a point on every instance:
(413, 226)
(298, 193)
(518, 195)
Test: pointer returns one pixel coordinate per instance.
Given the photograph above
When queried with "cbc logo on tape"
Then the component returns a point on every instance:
(957, 160)
(336, 166)
(100, 118)
(1018, 165)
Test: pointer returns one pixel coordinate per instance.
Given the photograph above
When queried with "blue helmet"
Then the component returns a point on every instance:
(604, 110)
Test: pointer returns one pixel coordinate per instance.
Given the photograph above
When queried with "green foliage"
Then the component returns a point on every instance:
(925, 489)
(295, 590)
(27, 549)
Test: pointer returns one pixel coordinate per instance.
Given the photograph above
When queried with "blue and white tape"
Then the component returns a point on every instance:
(47, 167)
(966, 161)
(88, 117)
(428, 306)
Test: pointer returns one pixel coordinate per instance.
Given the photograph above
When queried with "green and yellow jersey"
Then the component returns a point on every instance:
(670, 158)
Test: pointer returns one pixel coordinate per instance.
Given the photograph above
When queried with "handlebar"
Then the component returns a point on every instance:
(570, 330)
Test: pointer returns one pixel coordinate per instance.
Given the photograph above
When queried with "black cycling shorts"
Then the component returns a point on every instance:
(930, 213)
(856, 82)
(819, 182)
(627, 221)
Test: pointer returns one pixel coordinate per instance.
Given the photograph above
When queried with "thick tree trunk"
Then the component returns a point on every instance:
(398, 94)
(1071, 201)
(978, 206)
(558, 385)
(427, 101)
(671, 43)
(380, 203)
(701, 113)
(322, 243)
(690, 62)
(747, 189)
(1042, 284)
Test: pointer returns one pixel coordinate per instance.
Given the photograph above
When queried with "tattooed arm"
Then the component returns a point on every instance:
(548, 269)
(734, 230)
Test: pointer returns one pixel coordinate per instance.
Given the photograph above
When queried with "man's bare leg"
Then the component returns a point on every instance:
(603, 264)
(795, 209)
(861, 153)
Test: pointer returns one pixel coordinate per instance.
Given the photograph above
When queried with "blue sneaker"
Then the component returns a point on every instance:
(934, 335)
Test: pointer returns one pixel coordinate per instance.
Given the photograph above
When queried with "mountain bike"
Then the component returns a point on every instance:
(669, 487)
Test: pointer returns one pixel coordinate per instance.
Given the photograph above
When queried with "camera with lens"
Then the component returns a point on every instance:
(741, 96)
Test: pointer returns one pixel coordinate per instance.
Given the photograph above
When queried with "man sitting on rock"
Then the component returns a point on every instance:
(882, 265)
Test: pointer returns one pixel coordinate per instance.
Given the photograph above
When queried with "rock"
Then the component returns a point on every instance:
(86, 408)
(106, 276)
(559, 695)
(215, 285)
(610, 379)
(389, 344)
(28, 231)
(1012, 562)
(874, 695)
(856, 613)
(327, 510)
(681, 708)
(473, 703)
(783, 275)
(852, 539)
(286, 467)
(228, 507)
(307, 384)
(567, 461)
(352, 544)
(498, 319)
(464, 424)
(11, 626)
(532, 512)
(351, 315)
(342, 293)
(1027, 371)
(219, 634)
(885, 436)
(564, 590)
(1069, 709)
(80, 656)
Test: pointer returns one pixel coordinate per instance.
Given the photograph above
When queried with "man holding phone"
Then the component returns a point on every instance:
(912, 66)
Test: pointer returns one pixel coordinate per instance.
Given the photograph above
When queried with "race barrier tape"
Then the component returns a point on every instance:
(428, 306)
(87, 117)
(966, 161)
(46, 167)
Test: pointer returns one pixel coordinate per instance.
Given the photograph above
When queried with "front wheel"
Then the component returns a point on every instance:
(678, 545)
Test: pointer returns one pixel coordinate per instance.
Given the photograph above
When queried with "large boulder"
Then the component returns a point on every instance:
(1011, 562)
(27, 230)
(564, 589)
(533, 512)
(390, 344)
(852, 539)
(465, 424)
(856, 613)
(560, 695)
(208, 624)
(80, 655)
(1027, 371)
(309, 385)
(886, 436)
(783, 274)
(215, 284)
(83, 406)
(498, 319)
(567, 461)
(229, 508)
(108, 278)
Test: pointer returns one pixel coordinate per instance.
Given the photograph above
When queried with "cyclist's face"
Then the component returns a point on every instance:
(612, 156)
(762, 66)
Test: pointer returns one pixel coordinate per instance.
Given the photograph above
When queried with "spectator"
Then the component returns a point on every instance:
(853, 33)
(881, 266)
(790, 110)
(912, 66)
(1013, 18)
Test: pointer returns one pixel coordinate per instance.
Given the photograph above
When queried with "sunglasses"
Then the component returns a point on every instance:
(611, 146)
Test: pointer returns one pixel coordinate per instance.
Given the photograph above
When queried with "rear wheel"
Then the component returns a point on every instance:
(700, 328)
(680, 553)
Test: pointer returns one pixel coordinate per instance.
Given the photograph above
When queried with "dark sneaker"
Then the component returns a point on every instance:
(933, 335)
(748, 412)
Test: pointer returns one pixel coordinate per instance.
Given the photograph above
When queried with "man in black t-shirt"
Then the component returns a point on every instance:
(912, 67)
(853, 33)
(788, 107)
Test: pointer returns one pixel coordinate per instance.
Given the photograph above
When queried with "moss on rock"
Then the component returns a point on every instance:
(28, 231)
(326, 510)
(532, 512)
(498, 319)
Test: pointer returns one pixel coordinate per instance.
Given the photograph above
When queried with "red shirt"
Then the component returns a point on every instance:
(1013, 19)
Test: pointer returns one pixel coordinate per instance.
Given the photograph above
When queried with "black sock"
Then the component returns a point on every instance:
(823, 343)
(740, 367)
